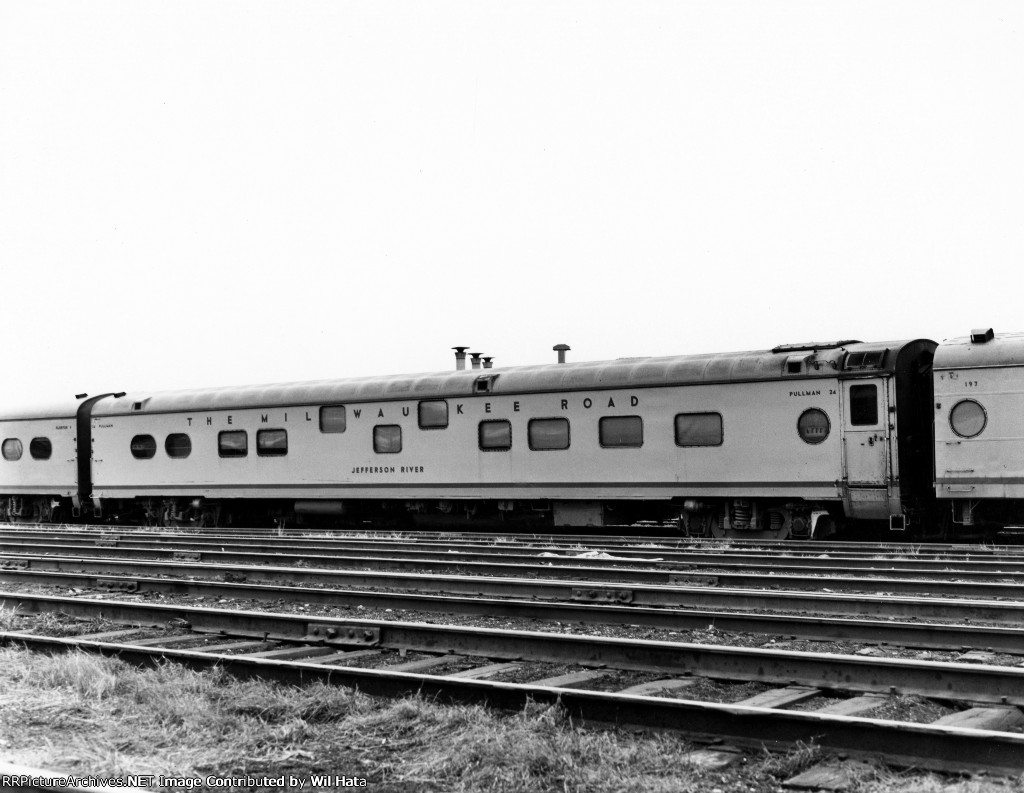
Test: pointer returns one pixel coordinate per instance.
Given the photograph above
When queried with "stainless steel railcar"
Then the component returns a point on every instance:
(773, 443)
(979, 430)
(39, 466)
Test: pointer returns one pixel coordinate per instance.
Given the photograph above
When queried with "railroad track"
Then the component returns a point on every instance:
(641, 550)
(785, 695)
(620, 536)
(967, 577)
(625, 682)
(948, 581)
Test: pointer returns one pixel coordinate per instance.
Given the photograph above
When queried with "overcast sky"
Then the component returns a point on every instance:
(219, 193)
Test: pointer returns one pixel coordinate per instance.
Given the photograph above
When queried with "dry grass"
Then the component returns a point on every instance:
(85, 714)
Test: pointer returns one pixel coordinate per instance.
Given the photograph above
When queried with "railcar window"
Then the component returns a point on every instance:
(433, 414)
(178, 445)
(495, 436)
(548, 434)
(143, 447)
(387, 439)
(40, 448)
(968, 418)
(12, 449)
(233, 443)
(863, 405)
(272, 443)
(333, 418)
(621, 431)
(813, 426)
(699, 429)
(865, 360)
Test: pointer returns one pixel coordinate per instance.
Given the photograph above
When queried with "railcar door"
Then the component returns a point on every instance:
(866, 462)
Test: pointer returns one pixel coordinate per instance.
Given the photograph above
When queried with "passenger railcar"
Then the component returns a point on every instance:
(979, 429)
(39, 467)
(774, 443)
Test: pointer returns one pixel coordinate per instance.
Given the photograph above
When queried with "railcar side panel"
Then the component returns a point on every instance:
(760, 452)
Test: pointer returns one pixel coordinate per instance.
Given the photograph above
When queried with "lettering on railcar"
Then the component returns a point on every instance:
(488, 407)
(387, 469)
(805, 393)
(588, 402)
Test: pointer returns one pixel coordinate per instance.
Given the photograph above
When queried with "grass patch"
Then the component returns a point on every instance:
(91, 715)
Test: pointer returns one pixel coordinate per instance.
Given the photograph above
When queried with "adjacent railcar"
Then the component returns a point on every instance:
(774, 443)
(39, 467)
(979, 430)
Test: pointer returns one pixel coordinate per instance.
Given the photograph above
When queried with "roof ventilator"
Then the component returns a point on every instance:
(982, 335)
(484, 384)
(795, 364)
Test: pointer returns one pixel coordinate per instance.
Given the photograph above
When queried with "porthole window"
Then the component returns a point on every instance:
(433, 414)
(495, 436)
(387, 439)
(332, 418)
(621, 431)
(233, 443)
(272, 443)
(12, 449)
(699, 429)
(813, 426)
(968, 418)
(178, 445)
(143, 447)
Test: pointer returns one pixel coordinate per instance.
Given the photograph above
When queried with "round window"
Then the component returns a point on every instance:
(813, 425)
(967, 418)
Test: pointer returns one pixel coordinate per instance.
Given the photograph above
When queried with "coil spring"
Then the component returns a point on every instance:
(742, 513)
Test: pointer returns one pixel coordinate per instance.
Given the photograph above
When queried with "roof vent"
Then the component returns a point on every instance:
(484, 384)
(795, 364)
(981, 335)
(561, 349)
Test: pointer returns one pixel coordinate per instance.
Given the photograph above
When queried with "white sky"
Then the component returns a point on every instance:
(219, 193)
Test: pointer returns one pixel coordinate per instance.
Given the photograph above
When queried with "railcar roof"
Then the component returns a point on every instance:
(817, 360)
(61, 409)
(1002, 349)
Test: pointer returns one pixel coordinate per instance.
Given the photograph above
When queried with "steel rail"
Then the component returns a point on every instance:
(832, 579)
(944, 680)
(914, 634)
(935, 746)
(619, 535)
(502, 544)
(656, 595)
(102, 547)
